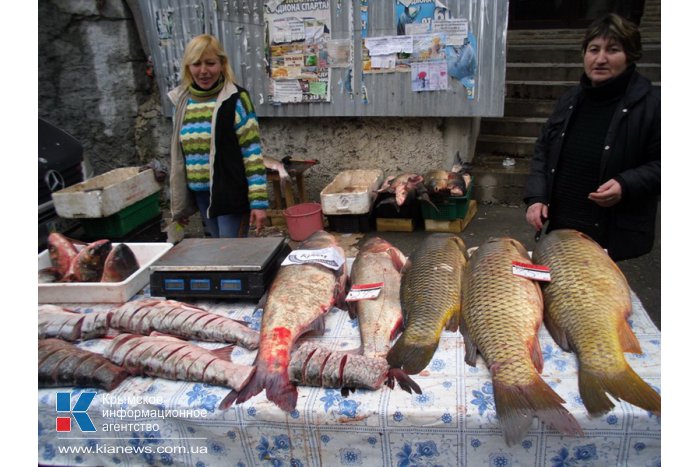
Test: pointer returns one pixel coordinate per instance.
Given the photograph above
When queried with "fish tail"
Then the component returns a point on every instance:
(516, 405)
(278, 389)
(410, 357)
(625, 385)
(404, 381)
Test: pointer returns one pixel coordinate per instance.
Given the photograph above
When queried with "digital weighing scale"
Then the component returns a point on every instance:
(218, 268)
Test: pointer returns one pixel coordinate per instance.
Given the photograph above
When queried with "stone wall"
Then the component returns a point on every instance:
(94, 83)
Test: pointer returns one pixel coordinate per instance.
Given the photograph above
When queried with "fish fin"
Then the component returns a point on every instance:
(228, 401)
(406, 265)
(352, 309)
(411, 358)
(278, 388)
(557, 333)
(470, 349)
(397, 258)
(405, 382)
(224, 353)
(517, 405)
(263, 301)
(317, 327)
(452, 324)
(628, 340)
(625, 385)
(426, 197)
(536, 354)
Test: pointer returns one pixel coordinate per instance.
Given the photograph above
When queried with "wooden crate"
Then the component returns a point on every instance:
(276, 217)
(395, 224)
(455, 226)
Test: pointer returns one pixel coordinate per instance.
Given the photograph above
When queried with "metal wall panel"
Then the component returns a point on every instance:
(239, 24)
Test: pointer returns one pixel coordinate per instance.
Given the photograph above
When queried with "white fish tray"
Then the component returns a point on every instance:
(103, 292)
(351, 192)
(105, 194)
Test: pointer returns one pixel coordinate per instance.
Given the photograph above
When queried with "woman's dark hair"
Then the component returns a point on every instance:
(613, 26)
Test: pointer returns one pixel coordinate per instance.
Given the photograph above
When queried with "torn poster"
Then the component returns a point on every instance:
(462, 63)
(297, 33)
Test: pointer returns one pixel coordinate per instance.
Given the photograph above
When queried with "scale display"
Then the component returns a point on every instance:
(218, 268)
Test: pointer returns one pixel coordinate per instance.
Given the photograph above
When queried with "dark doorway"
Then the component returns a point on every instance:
(567, 14)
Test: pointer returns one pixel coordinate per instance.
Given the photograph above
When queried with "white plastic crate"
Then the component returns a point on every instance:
(103, 292)
(105, 194)
(351, 192)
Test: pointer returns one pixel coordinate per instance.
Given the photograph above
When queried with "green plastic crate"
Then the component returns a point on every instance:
(124, 221)
(454, 207)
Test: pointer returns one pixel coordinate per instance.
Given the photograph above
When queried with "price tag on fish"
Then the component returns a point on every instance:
(328, 257)
(364, 292)
(532, 271)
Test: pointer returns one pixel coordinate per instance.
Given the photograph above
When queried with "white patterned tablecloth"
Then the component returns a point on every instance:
(453, 423)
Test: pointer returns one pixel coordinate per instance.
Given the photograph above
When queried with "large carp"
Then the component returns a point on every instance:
(587, 304)
(430, 300)
(501, 315)
(298, 298)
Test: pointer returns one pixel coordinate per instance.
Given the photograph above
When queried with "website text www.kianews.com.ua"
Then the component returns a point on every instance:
(104, 448)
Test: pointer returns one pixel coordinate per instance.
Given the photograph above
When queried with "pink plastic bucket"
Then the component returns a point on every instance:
(303, 220)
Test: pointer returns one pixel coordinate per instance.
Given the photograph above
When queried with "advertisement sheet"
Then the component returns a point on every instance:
(298, 32)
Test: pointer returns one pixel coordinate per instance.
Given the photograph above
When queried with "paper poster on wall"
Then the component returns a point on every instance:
(429, 76)
(462, 63)
(297, 33)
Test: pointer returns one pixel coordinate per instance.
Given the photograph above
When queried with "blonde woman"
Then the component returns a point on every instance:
(215, 151)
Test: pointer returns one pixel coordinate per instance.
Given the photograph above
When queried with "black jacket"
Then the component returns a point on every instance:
(631, 155)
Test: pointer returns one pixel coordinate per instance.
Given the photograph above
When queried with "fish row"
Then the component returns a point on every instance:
(585, 307)
(435, 185)
(98, 261)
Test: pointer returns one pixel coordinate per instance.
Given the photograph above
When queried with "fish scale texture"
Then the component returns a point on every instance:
(430, 299)
(501, 315)
(587, 304)
(588, 298)
(378, 318)
(502, 312)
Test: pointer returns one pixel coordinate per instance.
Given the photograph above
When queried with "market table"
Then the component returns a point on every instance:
(153, 421)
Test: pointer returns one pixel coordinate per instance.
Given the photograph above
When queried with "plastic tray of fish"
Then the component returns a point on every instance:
(103, 292)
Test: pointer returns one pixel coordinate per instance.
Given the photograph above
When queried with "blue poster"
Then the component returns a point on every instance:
(461, 63)
(413, 12)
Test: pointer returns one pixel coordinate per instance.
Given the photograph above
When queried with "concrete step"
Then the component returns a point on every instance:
(515, 107)
(566, 53)
(505, 145)
(513, 126)
(650, 33)
(549, 90)
(564, 71)
(494, 183)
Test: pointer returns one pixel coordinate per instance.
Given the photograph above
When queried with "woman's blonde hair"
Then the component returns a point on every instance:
(197, 47)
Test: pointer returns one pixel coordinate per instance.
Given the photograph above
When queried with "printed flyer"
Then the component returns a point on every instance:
(297, 33)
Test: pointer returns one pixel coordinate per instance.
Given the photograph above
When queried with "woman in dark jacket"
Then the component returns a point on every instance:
(597, 163)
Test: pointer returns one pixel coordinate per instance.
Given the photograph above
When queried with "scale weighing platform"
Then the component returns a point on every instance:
(218, 267)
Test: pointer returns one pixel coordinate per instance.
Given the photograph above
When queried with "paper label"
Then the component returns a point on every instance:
(532, 271)
(364, 292)
(328, 257)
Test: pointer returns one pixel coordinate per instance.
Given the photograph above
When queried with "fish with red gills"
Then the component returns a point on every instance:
(88, 265)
